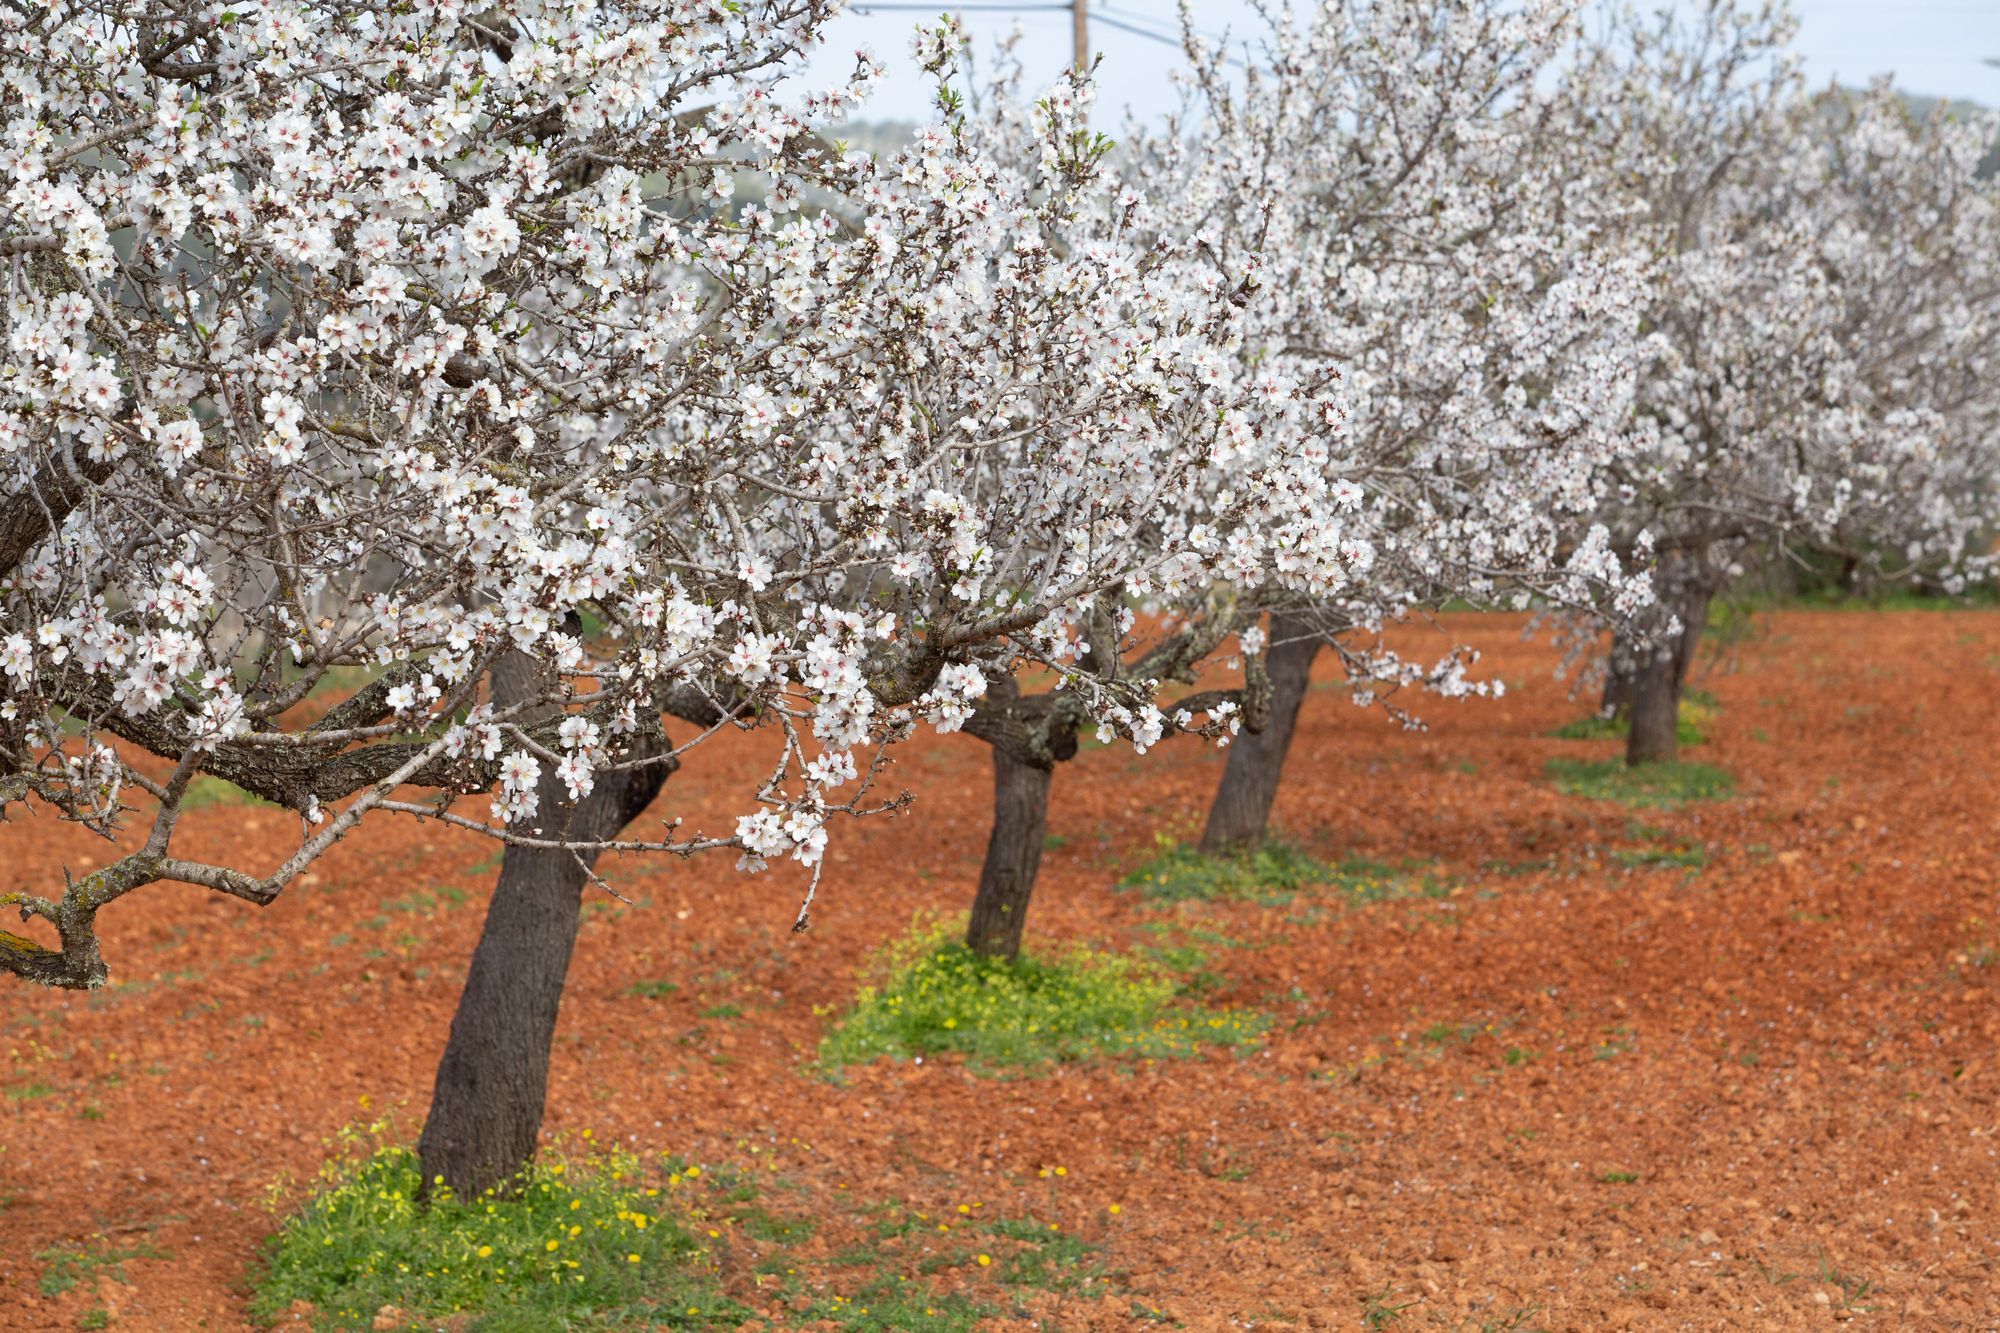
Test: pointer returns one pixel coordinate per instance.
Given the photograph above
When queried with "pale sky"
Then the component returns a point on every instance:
(1932, 46)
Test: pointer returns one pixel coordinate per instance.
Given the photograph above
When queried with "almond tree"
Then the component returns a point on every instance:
(1425, 233)
(1823, 326)
(1153, 631)
(425, 343)
(1384, 237)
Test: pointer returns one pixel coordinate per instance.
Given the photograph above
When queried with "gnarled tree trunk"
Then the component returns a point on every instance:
(1029, 736)
(1240, 815)
(1013, 855)
(486, 1105)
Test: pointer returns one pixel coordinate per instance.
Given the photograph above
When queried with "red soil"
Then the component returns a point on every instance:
(1792, 1048)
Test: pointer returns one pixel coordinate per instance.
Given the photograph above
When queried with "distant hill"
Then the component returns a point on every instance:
(875, 136)
(1957, 107)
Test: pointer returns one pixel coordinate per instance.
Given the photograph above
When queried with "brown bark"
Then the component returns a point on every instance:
(41, 506)
(1657, 680)
(487, 1102)
(1013, 856)
(1240, 815)
(1032, 734)
(1655, 710)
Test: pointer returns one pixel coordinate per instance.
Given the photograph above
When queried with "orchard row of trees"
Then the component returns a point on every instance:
(551, 369)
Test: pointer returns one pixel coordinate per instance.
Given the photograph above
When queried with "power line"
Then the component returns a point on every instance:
(937, 8)
(1136, 30)
(1083, 16)
(1160, 37)
(1153, 21)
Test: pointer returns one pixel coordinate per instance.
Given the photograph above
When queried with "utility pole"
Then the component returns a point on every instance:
(1080, 32)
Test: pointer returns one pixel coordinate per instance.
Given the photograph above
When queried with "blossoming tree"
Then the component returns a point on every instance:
(428, 343)
(1385, 234)
(1821, 354)
(1425, 234)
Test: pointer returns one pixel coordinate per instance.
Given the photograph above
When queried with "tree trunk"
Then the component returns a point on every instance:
(486, 1105)
(1013, 856)
(1241, 812)
(1655, 709)
(1656, 684)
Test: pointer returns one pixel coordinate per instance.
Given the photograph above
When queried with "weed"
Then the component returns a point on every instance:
(63, 1270)
(423, 902)
(573, 1243)
(1383, 1309)
(1691, 857)
(1618, 1177)
(892, 1306)
(771, 1228)
(938, 996)
(651, 989)
(1647, 785)
(1360, 881)
(1049, 1258)
(1853, 1290)
(1503, 867)
(1617, 1041)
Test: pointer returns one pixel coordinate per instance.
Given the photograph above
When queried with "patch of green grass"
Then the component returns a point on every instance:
(581, 1243)
(651, 989)
(1361, 880)
(1595, 727)
(1618, 1177)
(1648, 785)
(938, 996)
(1899, 598)
(1531, 867)
(63, 1270)
(1270, 873)
(723, 1011)
(1049, 1258)
(892, 1306)
(423, 901)
(205, 790)
(95, 1317)
(1633, 858)
(1697, 709)
(27, 1092)
(772, 1228)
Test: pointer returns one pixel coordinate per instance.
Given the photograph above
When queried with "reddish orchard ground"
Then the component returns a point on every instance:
(1789, 1051)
